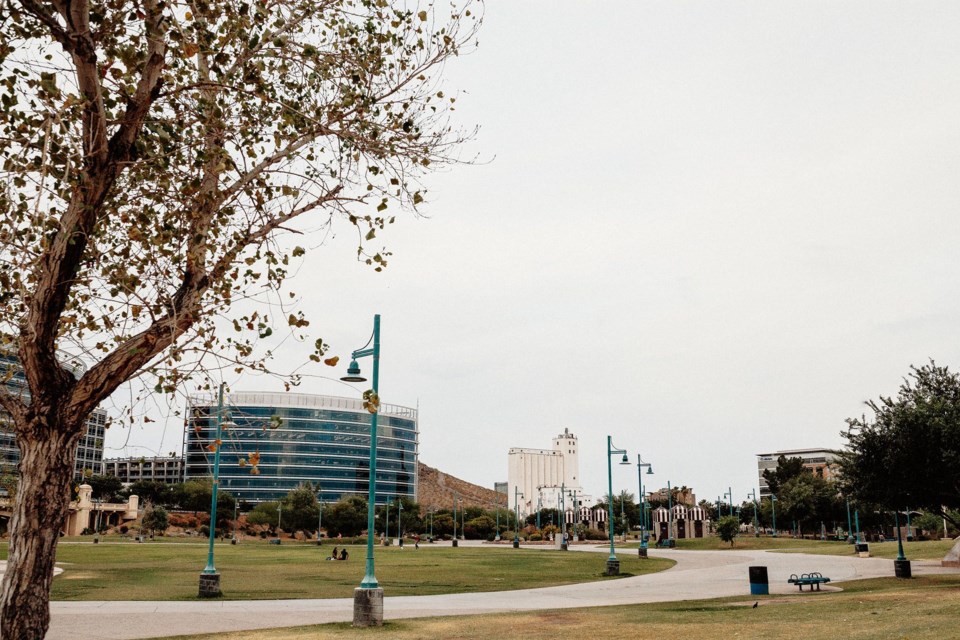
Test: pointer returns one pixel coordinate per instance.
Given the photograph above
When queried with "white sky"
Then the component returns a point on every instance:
(708, 229)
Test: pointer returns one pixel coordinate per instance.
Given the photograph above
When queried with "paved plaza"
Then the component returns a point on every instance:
(697, 575)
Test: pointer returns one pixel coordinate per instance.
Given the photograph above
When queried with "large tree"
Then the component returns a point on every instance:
(151, 151)
(907, 454)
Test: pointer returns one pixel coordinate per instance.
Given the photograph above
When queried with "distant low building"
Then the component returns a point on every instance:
(818, 461)
(167, 470)
(681, 495)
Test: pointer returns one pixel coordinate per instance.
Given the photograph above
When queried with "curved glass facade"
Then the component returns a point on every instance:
(324, 440)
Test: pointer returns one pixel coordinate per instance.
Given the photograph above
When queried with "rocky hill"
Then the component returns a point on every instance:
(437, 489)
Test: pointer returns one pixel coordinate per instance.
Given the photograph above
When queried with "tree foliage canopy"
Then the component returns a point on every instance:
(907, 454)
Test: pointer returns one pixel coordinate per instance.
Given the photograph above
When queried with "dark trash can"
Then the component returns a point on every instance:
(902, 569)
(759, 582)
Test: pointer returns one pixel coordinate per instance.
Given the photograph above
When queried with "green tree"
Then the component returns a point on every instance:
(301, 510)
(106, 488)
(151, 491)
(197, 494)
(728, 528)
(348, 516)
(265, 514)
(154, 151)
(786, 469)
(155, 518)
(810, 500)
(908, 452)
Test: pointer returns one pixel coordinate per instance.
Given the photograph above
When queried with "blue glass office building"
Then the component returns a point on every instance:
(323, 440)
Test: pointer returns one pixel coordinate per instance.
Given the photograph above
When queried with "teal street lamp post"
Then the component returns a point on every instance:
(455, 500)
(320, 516)
(909, 533)
(209, 578)
(756, 522)
(613, 565)
(576, 516)
(773, 510)
(562, 514)
(386, 526)
(643, 512)
(729, 495)
(399, 523)
(670, 541)
(856, 519)
(368, 597)
(516, 504)
(850, 539)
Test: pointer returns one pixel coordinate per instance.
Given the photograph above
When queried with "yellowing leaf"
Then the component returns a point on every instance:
(332, 362)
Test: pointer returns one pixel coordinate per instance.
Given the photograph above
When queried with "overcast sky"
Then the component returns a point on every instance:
(708, 229)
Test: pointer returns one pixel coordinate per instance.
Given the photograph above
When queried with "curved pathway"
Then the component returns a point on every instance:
(697, 575)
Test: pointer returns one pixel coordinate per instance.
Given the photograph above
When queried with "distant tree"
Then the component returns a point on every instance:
(264, 514)
(728, 528)
(809, 500)
(786, 469)
(107, 488)
(908, 452)
(155, 518)
(348, 516)
(196, 495)
(301, 509)
(151, 491)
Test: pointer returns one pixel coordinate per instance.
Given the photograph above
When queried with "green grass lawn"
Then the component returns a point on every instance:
(925, 550)
(256, 570)
(886, 608)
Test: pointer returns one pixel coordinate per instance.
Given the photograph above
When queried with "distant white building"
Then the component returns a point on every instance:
(541, 475)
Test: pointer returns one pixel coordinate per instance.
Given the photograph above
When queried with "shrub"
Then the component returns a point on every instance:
(594, 534)
(124, 529)
(535, 537)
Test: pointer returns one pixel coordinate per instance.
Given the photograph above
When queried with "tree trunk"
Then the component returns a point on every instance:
(46, 470)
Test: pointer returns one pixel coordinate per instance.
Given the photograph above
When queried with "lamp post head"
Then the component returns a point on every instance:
(624, 460)
(650, 471)
(353, 373)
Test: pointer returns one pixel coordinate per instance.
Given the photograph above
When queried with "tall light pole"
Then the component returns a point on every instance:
(670, 542)
(756, 524)
(455, 499)
(516, 504)
(320, 510)
(773, 509)
(209, 578)
(849, 527)
(399, 522)
(368, 597)
(562, 514)
(613, 565)
(901, 564)
(576, 516)
(729, 494)
(643, 512)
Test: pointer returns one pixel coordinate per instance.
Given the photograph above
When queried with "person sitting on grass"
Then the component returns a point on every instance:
(333, 556)
(343, 554)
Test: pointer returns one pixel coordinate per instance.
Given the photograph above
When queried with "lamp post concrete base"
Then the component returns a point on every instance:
(563, 546)
(613, 568)
(643, 552)
(368, 607)
(516, 543)
(455, 543)
(902, 569)
(210, 585)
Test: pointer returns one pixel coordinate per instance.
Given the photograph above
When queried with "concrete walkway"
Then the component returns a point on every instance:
(697, 575)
